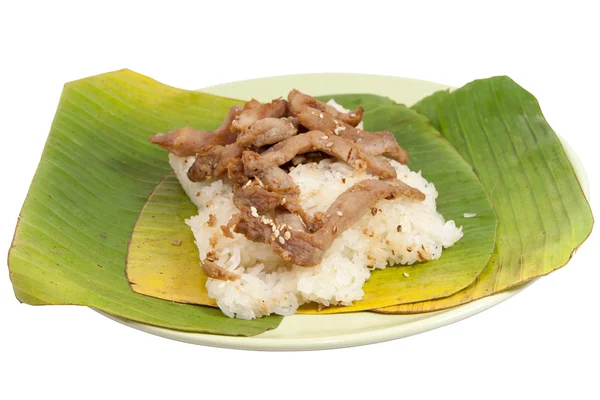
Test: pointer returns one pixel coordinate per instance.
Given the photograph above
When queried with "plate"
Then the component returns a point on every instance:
(316, 332)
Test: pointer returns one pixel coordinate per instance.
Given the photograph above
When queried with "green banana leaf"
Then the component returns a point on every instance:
(543, 215)
(96, 173)
(158, 268)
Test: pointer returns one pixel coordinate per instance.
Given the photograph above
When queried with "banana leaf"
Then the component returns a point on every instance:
(158, 268)
(96, 173)
(163, 260)
(543, 215)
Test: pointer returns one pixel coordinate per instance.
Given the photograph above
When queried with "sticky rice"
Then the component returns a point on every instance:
(399, 231)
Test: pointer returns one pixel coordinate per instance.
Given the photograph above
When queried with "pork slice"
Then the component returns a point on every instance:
(212, 161)
(254, 111)
(307, 249)
(308, 142)
(335, 146)
(187, 141)
(299, 102)
(372, 143)
(268, 131)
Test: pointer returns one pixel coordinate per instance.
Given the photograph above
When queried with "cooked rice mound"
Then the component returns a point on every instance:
(398, 231)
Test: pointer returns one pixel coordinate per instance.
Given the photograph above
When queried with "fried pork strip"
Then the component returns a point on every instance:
(185, 142)
(335, 146)
(373, 143)
(300, 102)
(254, 111)
(307, 249)
(268, 131)
(212, 161)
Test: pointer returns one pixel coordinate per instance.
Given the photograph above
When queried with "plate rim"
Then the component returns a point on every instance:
(260, 343)
(433, 320)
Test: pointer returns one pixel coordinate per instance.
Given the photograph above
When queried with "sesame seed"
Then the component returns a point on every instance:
(273, 228)
(358, 140)
(330, 144)
(339, 213)
(469, 215)
(283, 200)
(406, 275)
(314, 113)
(276, 232)
(321, 115)
(353, 115)
(287, 235)
(334, 230)
(254, 211)
(248, 183)
(281, 240)
(292, 125)
(211, 256)
(336, 121)
(325, 137)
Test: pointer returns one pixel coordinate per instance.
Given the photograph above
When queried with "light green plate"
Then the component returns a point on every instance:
(313, 332)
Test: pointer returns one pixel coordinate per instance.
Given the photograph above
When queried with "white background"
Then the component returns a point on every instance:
(543, 343)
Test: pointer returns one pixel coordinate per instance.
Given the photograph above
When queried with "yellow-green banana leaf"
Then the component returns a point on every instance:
(96, 172)
(543, 215)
